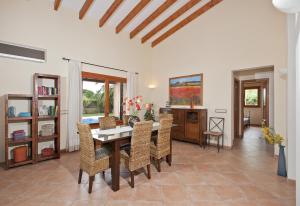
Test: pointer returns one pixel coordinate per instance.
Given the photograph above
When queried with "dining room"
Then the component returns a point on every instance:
(132, 103)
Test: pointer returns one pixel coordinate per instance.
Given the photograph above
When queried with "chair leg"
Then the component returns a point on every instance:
(218, 144)
(132, 179)
(103, 174)
(169, 159)
(80, 176)
(158, 165)
(149, 171)
(222, 141)
(91, 180)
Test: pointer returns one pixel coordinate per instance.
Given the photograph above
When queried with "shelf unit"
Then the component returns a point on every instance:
(39, 119)
(34, 139)
(28, 140)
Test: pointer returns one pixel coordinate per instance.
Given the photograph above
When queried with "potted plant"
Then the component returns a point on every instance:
(132, 107)
(273, 138)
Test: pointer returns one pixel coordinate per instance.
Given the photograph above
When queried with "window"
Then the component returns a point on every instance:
(252, 97)
(102, 96)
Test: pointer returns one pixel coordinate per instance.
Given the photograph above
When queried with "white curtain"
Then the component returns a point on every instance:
(117, 94)
(74, 104)
(132, 84)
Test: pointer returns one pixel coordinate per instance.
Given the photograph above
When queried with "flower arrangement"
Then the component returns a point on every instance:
(132, 106)
(271, 136)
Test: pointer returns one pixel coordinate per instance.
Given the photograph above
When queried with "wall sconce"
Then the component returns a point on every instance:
(151, 86)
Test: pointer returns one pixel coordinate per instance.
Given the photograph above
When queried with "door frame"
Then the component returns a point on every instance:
(264, 83)
(236, 97)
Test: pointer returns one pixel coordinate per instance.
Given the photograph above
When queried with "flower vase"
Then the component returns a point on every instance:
(132, 120)
(281, 170)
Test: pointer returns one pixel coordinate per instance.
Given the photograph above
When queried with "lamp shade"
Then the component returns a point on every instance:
(287, 6)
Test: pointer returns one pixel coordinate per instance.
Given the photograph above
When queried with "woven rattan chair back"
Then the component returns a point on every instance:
(165, 115)
(87, 152)
(164, 133)
(140, 145)
(107, 122)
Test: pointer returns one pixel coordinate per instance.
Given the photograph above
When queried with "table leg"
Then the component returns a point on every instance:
(169, 158)
(115, 166)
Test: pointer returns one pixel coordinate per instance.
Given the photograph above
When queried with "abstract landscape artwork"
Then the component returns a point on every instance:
(185, 89)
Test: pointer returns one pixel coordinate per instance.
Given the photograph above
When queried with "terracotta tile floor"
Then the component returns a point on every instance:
(245, 175)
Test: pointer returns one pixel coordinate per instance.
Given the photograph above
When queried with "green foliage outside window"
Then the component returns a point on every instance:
(96, 101)
(251, 97)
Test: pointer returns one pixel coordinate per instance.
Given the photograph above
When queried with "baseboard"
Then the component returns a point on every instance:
(62, 151)
(215, 145)
(291, 181)
(255, 125)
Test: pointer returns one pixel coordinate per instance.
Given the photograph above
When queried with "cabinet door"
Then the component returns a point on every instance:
(192, 128)
(178, 119)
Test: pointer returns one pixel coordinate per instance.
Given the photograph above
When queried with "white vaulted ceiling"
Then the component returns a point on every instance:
(99, 7)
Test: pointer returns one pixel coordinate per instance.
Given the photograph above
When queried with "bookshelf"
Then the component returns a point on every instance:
(15, 123)
(47, 92)
(31, 124)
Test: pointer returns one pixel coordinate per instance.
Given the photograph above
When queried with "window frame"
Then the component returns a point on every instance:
(89, 76)
(258, 97)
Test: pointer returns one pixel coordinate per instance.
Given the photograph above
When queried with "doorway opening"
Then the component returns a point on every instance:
(253, 101)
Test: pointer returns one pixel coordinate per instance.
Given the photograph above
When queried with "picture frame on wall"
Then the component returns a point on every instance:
(186, 90)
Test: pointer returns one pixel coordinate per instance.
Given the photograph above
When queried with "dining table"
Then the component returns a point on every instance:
(115, 137)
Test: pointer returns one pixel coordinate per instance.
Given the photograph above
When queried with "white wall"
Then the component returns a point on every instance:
(36, 24)
(233, 35)
(294, 101)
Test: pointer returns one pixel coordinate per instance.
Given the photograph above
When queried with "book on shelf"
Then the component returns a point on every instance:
(42, 90)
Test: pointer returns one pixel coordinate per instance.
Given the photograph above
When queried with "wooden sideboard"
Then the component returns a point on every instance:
(190, 124)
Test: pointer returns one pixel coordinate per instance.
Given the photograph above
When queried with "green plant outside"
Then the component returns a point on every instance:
(94, 103)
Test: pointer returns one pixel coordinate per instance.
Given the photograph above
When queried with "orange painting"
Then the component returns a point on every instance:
(185, 89)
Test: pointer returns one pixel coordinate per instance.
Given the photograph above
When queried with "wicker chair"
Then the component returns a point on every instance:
(139, 155)
(107, 122)
(165, 115)
(91, 161)
(160, 147)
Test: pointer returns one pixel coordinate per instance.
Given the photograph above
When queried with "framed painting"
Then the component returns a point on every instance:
(184, 89)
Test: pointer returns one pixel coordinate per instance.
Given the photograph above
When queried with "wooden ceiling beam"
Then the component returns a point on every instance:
(85, 8)
(110, 12)
(185, 21)
(152, 17)
(132, 14)
(170, 19)
(57, 4)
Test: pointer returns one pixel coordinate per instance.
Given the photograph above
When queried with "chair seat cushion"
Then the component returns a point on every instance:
(212, 133)
(102, 152)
